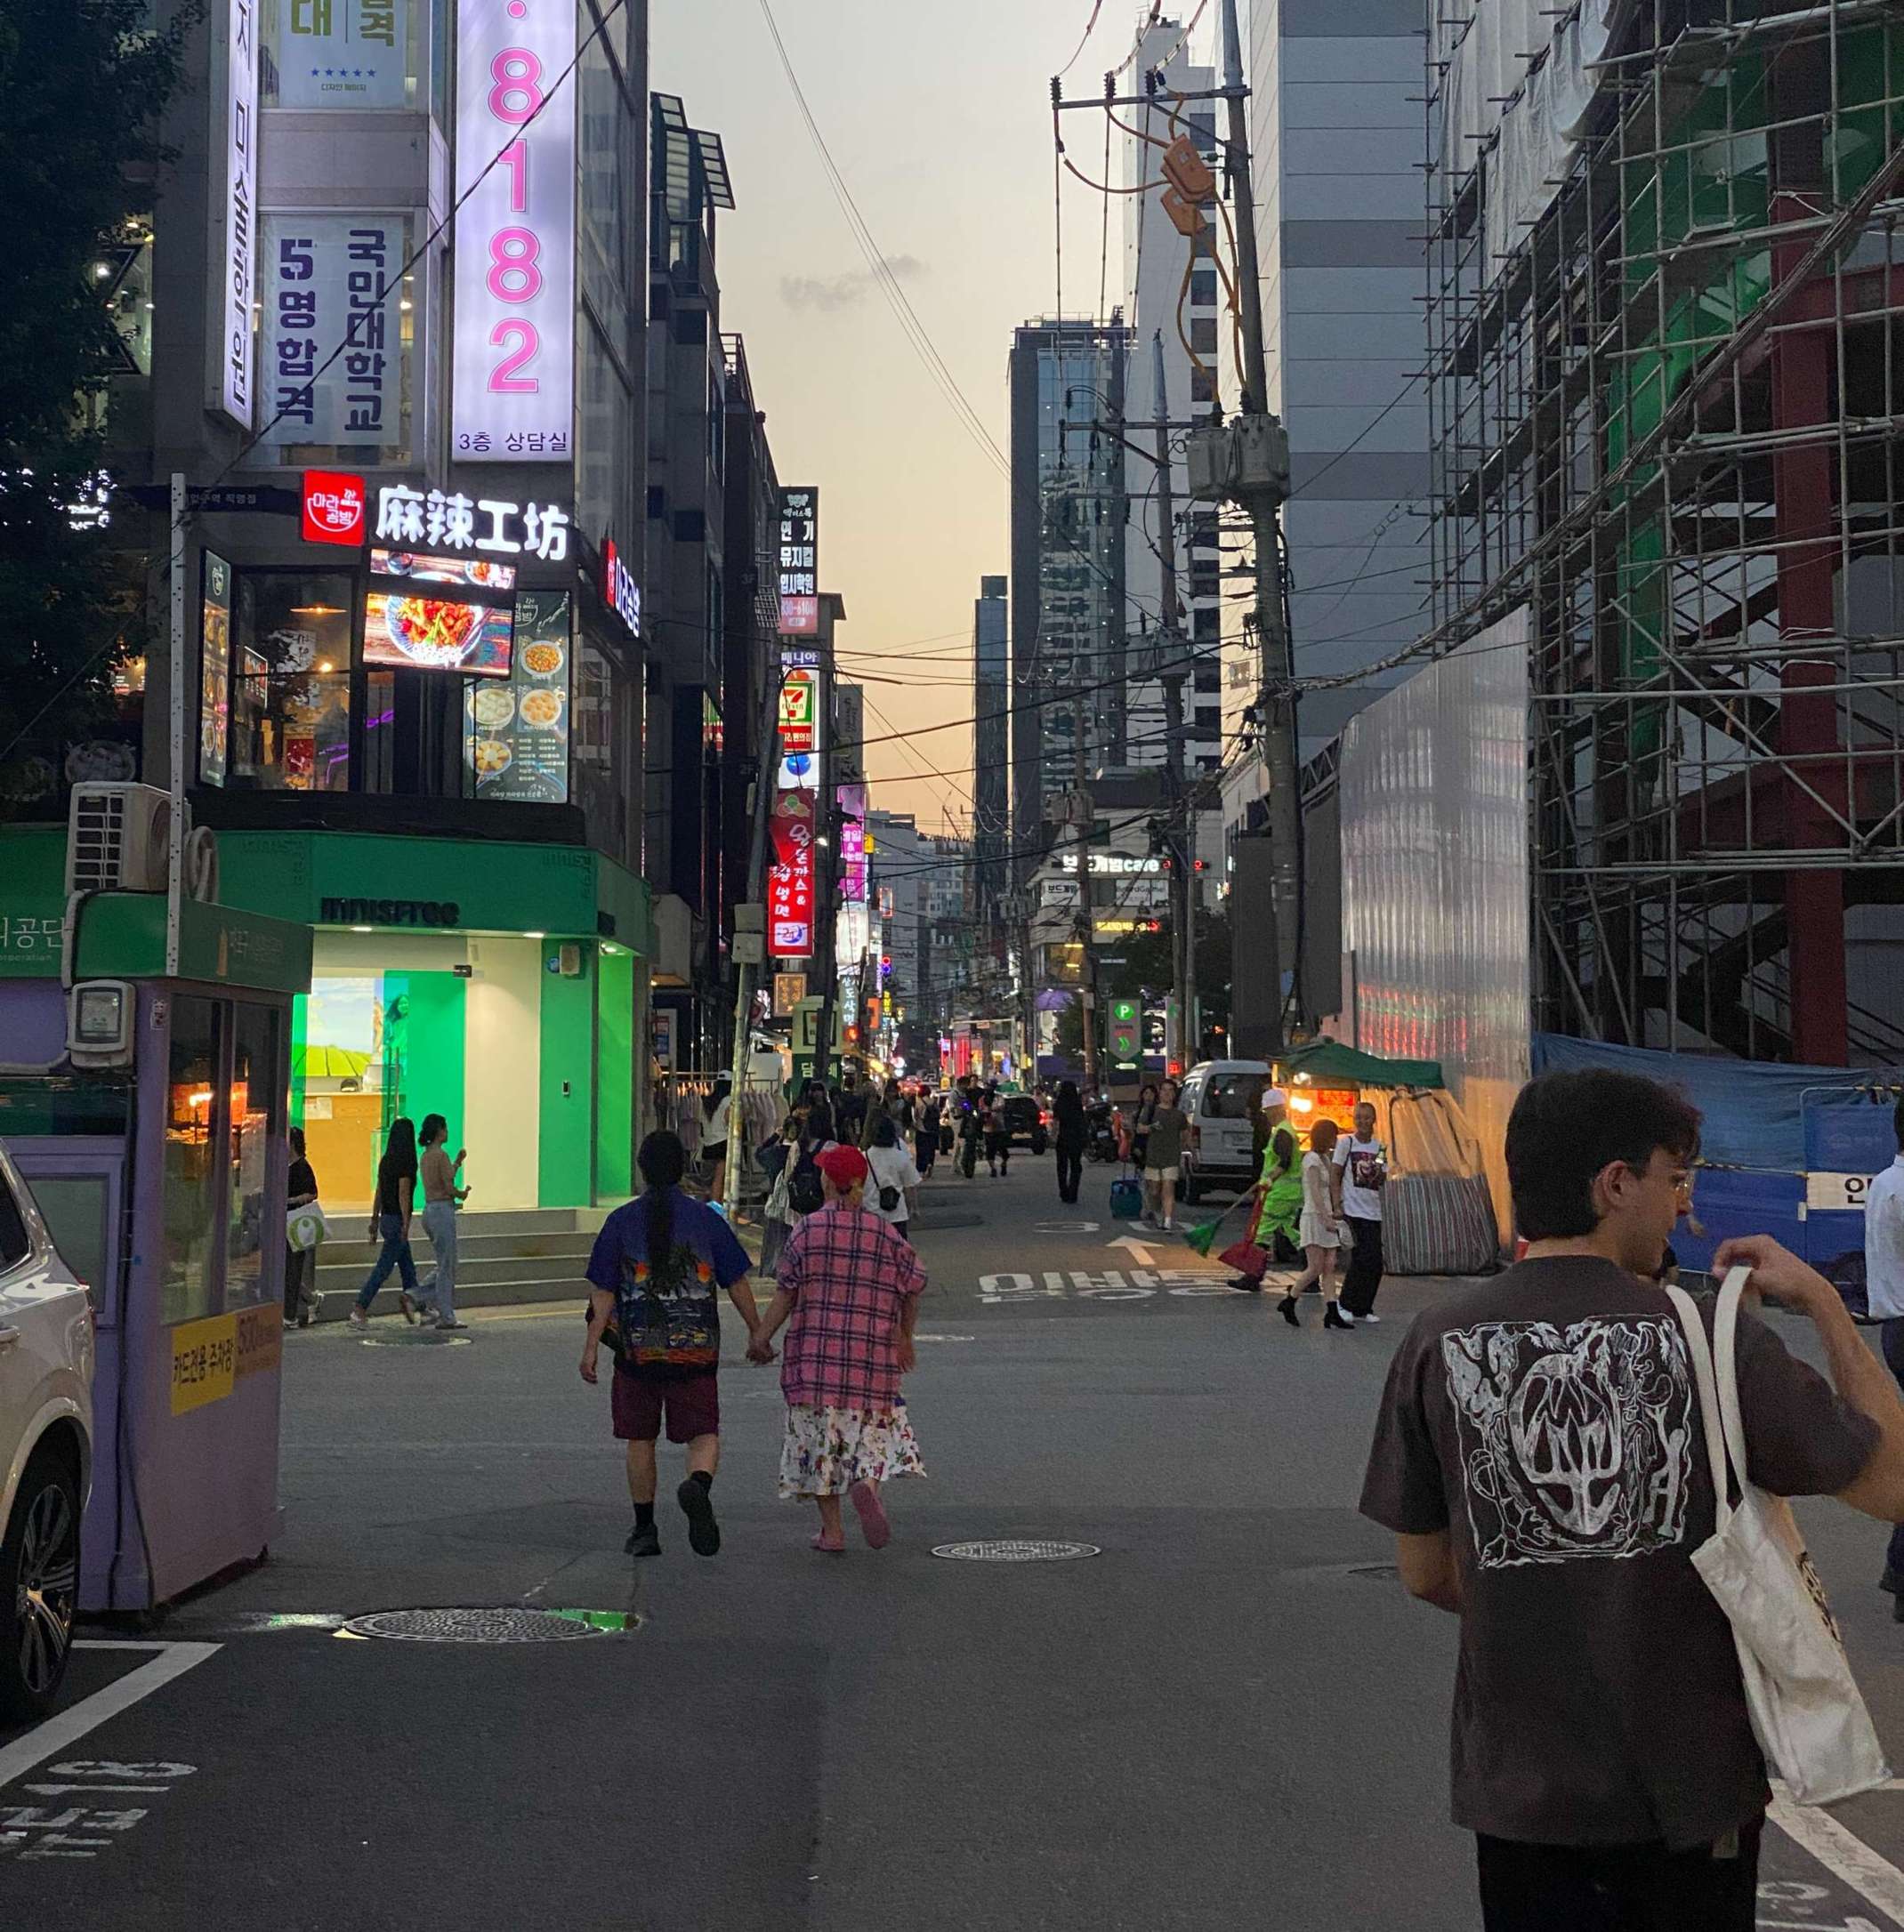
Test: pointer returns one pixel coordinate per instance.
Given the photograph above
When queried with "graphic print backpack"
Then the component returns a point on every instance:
(1126, 1198)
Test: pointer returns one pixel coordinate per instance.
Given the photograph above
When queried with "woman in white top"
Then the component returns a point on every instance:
(1321, 1232)
(716, 1109)
(893, 1177)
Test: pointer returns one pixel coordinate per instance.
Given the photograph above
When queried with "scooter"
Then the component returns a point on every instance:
(1100, 1143)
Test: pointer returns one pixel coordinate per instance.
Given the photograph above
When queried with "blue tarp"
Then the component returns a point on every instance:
(1753, 1108)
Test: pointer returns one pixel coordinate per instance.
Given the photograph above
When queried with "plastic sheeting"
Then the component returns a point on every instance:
(1434, 877)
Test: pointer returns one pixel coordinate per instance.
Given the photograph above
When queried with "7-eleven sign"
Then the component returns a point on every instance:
(799, 706)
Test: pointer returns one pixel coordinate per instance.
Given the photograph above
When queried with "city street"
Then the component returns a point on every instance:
(1229, 1715)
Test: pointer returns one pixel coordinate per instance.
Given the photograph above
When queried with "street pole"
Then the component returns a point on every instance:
(1170, 656)
(175, 731)
(1280, 918)
(1082, 808)
(744, 972)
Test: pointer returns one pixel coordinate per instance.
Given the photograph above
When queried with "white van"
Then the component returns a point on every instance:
(1224, 1099)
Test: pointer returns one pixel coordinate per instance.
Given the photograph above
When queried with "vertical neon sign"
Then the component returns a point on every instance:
(513, 386)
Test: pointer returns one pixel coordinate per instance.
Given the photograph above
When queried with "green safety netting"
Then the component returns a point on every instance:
(1325, 1060)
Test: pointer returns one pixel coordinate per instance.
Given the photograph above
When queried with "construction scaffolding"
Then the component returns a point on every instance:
(1666, 318)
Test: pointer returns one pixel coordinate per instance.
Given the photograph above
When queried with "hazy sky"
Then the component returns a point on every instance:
(937, 113)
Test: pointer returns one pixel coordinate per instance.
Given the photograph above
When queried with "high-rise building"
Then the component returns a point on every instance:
(1068, 564)
(991, 778)
(1335, 143)
(1189, 321)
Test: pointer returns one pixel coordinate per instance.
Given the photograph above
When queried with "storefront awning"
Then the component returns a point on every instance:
(1329, 1061)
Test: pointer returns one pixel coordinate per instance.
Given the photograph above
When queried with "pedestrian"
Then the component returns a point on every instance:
(778, 1158)
(389, 1223)
(1275, 1215)
(998, 1138)
(849, 1111)
(925, 1135)
(658, 1266)
(893, 1191)
(442, 1197)
(1360, 1174)
(1138, 1136)
(1541, 1427)
(717, 1106)
(1883, 1274)
(1163, 1155)
(1069, 1130)
(970, 1132)
(301, 1264)
(1319, 1230)
(852, 1288)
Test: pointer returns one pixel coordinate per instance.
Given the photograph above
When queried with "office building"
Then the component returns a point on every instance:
(991, 778)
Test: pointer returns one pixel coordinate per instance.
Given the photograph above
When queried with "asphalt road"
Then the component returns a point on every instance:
(1230, 1716)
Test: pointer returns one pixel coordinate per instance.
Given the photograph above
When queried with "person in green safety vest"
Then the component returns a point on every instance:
(1278, 1198)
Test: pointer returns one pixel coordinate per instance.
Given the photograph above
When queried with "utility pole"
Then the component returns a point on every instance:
(745, 970)
(1170, 658)
(1082, 808)
(1256, 476)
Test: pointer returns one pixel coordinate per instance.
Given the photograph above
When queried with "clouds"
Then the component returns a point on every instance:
(827, 293)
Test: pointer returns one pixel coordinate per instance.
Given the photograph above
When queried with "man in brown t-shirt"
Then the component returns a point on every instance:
(1539, 1457)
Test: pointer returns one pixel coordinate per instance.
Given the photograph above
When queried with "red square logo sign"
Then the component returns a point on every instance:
(334, 507)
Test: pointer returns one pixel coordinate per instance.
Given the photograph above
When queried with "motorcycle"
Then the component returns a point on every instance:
(1101, 1132)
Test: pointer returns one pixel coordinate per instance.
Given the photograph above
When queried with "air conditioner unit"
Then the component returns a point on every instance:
(118, 838)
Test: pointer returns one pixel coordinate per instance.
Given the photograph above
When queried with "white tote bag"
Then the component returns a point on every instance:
(1807, 1714)
(305, 1228)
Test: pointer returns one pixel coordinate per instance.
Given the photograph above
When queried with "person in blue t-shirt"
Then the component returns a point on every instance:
(658, 1266)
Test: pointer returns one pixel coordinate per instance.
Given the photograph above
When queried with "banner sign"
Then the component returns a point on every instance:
(342, 53)
(334, 278)
(214, 672)
(852, 846)
(234, 240)
(799, 707)
(431, 519)
(790, 877)
(799, 565)
(513, 386)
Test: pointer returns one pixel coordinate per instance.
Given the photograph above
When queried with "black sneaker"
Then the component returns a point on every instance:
(643, 1542)
(703, 1534)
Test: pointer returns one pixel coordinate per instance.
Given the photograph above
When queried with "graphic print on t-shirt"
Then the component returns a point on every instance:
(1575, 1441)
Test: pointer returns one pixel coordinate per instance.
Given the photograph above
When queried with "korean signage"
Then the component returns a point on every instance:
(234, 240)
(799, 563)
(790, 877)
(849, 730)
(516, 737)
(332, 279)
(788, 990)
(214, 672)
(619, 590)
(799, 707)
(332, 505)
(852, 844)
(434, 520)
(513, 386)
(342, 53)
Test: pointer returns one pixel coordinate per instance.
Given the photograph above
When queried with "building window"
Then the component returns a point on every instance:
(1202, 289)
(656, 500)
(1209, 681)
(1206, 625)
(343, 53)
(188, 1280)
(291, 681)
(691, 526)
(1203, 531)
(1203, 385)
(253, 1125)
(1204, 244)
(1209, 721)
(1202, 335)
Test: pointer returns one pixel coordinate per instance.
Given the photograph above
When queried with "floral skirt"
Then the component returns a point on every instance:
(827, 1451)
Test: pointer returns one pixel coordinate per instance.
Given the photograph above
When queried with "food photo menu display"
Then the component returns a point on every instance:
(412, 623)
(516, 733)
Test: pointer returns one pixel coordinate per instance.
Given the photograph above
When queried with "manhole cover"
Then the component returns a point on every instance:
(409, 1338)
(496, 1626)
(1015, 1549)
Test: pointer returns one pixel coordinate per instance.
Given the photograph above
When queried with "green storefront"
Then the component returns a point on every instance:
(498, 984)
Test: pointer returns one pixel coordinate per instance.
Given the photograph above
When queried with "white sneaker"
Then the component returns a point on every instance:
(359, 1319)
(1374, 1321)
(1169, 1227)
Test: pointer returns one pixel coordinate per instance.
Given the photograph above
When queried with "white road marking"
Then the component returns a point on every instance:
(52, 1737)
(1138, 1248)
(1874, 1879)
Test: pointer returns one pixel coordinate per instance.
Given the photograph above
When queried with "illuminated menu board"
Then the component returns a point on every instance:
(515, 743)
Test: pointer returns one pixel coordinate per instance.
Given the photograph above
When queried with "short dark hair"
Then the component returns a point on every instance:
(1566, 1127)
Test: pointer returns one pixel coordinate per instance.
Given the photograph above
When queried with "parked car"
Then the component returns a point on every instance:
(45, 1452)
(1224, 1099)
(1024, 1120)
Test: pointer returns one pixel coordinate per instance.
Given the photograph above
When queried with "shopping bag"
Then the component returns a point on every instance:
(1246, 1259)
(1806, 1711)
(305, 1228)
(1126, 1198)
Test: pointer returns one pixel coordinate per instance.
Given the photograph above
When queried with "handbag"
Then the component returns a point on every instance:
(1806, 1711)
(1246, 1259)
(305, 1228)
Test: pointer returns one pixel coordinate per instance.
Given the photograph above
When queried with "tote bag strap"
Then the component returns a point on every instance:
(1694, 1330)
(1725, 1348)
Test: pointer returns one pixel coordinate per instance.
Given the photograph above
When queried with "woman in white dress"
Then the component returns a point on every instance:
(1321, 1232)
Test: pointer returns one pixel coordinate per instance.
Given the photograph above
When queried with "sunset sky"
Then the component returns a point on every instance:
(938, 117)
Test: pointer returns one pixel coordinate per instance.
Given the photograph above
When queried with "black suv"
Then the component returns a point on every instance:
(1023, 1121)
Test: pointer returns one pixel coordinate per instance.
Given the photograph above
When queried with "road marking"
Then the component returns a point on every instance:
(1874, 1879)
(51, 1738)
(1138, 1248)
(1066, 1228)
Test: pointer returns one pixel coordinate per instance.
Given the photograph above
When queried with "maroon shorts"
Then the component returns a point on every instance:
(692, 1403)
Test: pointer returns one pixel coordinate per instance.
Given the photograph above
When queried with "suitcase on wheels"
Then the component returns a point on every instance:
(1126, 1198)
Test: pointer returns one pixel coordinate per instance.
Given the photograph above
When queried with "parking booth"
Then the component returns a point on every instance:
(162, 1180)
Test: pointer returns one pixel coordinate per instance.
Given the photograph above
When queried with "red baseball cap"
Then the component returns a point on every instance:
(843, 1166)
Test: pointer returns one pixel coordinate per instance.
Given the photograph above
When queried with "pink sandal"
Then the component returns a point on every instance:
(827, 1548)
(872, 1515)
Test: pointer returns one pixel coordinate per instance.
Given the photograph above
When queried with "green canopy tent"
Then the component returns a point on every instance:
(1330, 1063)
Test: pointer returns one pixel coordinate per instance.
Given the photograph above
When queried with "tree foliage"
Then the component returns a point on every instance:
(83, 85)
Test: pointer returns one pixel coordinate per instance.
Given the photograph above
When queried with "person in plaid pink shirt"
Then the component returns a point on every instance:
(851, 1286)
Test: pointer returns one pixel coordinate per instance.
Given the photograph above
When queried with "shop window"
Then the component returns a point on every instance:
(291, 682)
(343, 53)
(189, 1279)
(253, 1125)
(603, 770)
